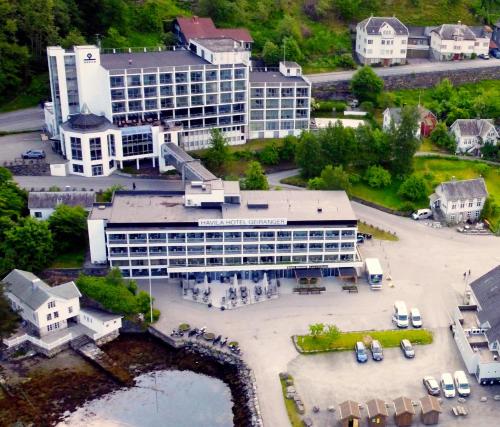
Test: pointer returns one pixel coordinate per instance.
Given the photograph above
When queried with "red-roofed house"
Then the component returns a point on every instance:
(204, 28)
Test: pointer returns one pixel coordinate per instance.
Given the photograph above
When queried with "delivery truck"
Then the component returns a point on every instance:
(374, 273)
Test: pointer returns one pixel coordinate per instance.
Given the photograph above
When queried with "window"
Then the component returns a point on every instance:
(76, 148)
(95, 149)
(453, 206)
(140, 143)
(166, 91)
(150, 92)
(111, 145)
(165, 78)
(77, 168)
(116, 81)
(239, 73)
(49, 316)
(134, 93)
(117, 94)
(38, 214)
(70, 309)
(151, 104)
(149, 79)
(225, 74)
(96, 170)
(196, 76)
(181, 77)
(478, 204)
(51, 304)
(225, 86)
(134, 80)
(370, 41)
(134, 105)
(462, 205)
(56, 314)
(470, 204)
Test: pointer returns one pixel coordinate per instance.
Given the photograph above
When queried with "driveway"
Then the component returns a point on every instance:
(426, 267)
(12, 146)
(22, 120)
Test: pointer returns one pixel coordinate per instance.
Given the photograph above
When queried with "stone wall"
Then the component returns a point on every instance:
(340, 89)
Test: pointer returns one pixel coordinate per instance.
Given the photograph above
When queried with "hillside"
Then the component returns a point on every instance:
(315, 32)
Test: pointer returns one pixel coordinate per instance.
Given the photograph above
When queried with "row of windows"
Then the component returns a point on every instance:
(95, 147)
(274, 92)
(278, 114)
(470, 204)
(277, 125)
(179, 102)
(276, 103)
(179, 77)
(96, 170)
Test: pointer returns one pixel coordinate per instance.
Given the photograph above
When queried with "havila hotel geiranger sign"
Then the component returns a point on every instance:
(240, 222)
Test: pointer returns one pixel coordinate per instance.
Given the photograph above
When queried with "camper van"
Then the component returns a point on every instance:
(400, 316)
(374, 273)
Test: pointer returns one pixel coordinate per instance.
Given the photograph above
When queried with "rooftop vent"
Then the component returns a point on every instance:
(258, 206)
(320, 210)
(101, 207)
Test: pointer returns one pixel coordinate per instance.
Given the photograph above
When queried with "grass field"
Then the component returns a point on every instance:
(291, 409)
(69, 260)
(347, 340)
(376, 232)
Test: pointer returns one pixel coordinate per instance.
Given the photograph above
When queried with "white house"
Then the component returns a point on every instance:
(476, 328)
(472, 134)
(458, 41)
(52, 316)
(460, 201)
(381, 40)
(43, 203)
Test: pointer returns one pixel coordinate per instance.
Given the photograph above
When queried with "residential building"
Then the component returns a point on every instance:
(476, 328)
(459, 201)
(381, 40)
(427, 120)
(42, 204)
(212, 228)
(115, 108)
(472, 134)
(52, 315)
(458, 41)
(418, 42)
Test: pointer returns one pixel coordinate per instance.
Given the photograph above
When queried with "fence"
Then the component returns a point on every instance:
(38, 342)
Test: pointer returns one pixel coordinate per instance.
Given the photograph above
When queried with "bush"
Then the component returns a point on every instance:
(354, 178)
(287, 149)
(244, 155)
(408, 207)
(483, 169)
(413, 188)
(367, 106)
(270, 154)
(377, 177)
(346, 61)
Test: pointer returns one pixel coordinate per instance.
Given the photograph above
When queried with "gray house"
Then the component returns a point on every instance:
(459, 201)
(43, 203)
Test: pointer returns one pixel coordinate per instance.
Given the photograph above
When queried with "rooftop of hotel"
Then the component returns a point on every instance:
(220, 44)
(112, 61)
(292, 205)
(274, 76)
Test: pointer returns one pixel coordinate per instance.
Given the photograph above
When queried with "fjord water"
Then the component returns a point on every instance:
(161, 398)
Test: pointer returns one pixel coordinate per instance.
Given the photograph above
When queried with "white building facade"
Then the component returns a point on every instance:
(214, 229)
(381, 40)
(472, 134)
(457, 41)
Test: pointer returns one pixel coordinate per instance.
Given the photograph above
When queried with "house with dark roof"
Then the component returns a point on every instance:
(476, 328)
(472, 134)
(418, 42)
(459, 201)
(52, 316)
(426, 123)
(42, 204)
(381, 40)
(458, 41)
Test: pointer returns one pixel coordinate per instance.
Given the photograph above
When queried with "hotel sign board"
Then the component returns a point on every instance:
(232, 222)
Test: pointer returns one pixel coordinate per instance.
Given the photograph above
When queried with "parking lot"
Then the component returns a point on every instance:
(12, 146)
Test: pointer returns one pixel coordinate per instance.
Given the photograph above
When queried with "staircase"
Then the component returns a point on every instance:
(80, 341)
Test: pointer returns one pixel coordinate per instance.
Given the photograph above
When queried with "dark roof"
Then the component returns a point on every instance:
(450, 31)
(274, 77)
(167, 58)
(196, 27)
(349, 409)
(430, 404)
(481, 31)
(51, 199)
(373, 24)
(486, 290)
(403, 405)
(464, 190)
(307, 273)
(474, 127)
(376, 407)
(416, 31)
(87, 121)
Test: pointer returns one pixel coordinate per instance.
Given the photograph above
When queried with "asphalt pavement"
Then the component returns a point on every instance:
(22, 120)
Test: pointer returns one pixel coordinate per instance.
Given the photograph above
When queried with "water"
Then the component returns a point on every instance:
(181, 399)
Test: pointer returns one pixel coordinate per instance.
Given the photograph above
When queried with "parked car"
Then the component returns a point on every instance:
(367, 236)
(461, 383)
(33, 154)
(495, 53)
(376, 349)
(360, 351)
(360, 238)
(484, 56)
(421, 214)
(447, 385)
(354, 103)
(407, 349)
(431, 385)
(416, 319)
(400, 315)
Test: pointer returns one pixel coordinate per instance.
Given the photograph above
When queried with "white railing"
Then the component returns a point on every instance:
(37, 341)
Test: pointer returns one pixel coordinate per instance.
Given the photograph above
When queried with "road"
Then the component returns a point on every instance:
(426, 67)
(22, 120)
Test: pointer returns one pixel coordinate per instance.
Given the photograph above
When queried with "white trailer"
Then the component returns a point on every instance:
(374, 273)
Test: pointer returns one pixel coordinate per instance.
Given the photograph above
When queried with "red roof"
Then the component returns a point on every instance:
(204, 28)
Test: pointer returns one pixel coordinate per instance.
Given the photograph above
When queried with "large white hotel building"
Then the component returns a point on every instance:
(118, 107)
(213, 228)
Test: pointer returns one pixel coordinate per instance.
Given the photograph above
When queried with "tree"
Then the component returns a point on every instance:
(218, 155)
(404, 141)
(490, 209)
(316, 329)
(9, 320)
(107, 195)
(292, 50)
(332, 332)
(377, 177)
(441, 137)
(413, 188)
(443, 91)
(287, 149)
(28, 245)
(271, 53)
(308, 155)
(490, 151)
(13, 200)
(332, 178)
(68, 225)
(270, 155)
(366, 85)
(255, 179)
(347, 9)
(73, 38)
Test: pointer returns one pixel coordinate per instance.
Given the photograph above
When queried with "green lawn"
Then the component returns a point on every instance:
(291, 409)
(376, 232)
(347, 340)
(296, 180)
(69, 260)
(429, 147)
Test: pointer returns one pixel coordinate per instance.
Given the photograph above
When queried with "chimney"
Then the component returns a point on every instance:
(130, 61)
(34, 284)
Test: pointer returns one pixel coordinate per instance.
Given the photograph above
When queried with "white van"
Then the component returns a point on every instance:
(416, 318)
(447, 385)
(421, 214)
(461, 383)
(400, 316)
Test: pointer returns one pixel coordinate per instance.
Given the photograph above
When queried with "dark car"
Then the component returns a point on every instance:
(432, 386)
(376, 349)
(360, 351)
(360, 238)
(33, 154)
(495, 53)
(407, 349)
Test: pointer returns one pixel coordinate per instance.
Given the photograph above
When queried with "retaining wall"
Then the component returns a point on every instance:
(340, 89)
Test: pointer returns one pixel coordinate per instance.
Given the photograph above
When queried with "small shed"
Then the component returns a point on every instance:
(403, 411)
(349, 414)
(431, 408)
(377, 413)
